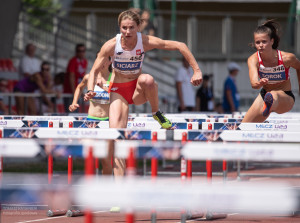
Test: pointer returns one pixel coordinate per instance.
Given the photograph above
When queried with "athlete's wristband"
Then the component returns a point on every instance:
(89, 91)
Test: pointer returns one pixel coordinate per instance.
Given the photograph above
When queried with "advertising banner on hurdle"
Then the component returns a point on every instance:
(37, 118)
(174, 119)
(238, 135)
(90, 124)
(161, 150)
(275, 152)
(198, 135)
(82, 133)
(260, 136)
(290, 127)
(78, 133)
(132, 125)
(79, 149)
(24, 123)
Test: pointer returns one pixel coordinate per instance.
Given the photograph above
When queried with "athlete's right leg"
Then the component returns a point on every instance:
(118, 111)
(281, 102)
(20, 105)
(118, 117)
(31, 106)
(106, 162)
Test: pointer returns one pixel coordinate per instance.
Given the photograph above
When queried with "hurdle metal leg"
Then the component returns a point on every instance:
(238, 170)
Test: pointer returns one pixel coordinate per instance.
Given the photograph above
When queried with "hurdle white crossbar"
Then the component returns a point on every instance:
(223, 198)
(241, 135)
(177, 115)
(19, 148)
(275, 152)
(288, 127)
(288, 115)
(155, 125)
(92, 133)
(140, 124)
(46, 118)
(91, 124)
(260, 136)
(276, 121)
(26, 148)
(21, 123)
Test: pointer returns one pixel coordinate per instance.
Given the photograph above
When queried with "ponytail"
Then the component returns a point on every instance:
(271, 28)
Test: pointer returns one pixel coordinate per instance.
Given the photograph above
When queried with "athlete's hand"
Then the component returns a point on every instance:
(73, 107)
(89, 95)
(196, 79)
(263, 81)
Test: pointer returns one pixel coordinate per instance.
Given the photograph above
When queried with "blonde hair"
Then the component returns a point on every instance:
(129, 14)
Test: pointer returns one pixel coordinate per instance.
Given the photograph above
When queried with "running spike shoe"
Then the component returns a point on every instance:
(162, 120)
(268, 102)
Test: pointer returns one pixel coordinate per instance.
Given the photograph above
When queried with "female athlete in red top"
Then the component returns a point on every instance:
(269, 70)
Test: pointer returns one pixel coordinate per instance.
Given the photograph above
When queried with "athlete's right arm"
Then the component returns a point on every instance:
(253, 73)
(78, 92)
(102, 59)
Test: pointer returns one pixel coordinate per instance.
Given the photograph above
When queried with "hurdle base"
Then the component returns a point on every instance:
(74, 213)
(153, 217)
(194, 214)
(53, 213)
(296, 214)
(213, 216)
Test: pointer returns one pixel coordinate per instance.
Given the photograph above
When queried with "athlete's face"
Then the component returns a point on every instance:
(263, 42)
(128, 28)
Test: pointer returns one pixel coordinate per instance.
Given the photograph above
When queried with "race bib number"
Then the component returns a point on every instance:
(123, 66)
(101, 97)
(273, 73)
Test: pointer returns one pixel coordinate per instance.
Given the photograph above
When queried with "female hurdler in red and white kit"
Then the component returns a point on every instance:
(130, 86)
(269, 70)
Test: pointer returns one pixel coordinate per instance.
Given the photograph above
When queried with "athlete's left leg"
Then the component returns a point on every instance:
(147, 90)
(118, 117)
(106, 162)
(281, 102)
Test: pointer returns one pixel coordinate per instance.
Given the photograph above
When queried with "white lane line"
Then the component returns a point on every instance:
(45, 219)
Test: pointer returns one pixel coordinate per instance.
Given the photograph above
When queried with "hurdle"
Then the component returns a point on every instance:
(94, 124)
(85, 133)
(269, 120)
(262, 152)
(286, 127)
(237, 135)
(251, 198)
(97, 154)
(82, 133)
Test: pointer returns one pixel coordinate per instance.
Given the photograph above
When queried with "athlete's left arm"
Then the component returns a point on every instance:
(292, 61)
(152, 42)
